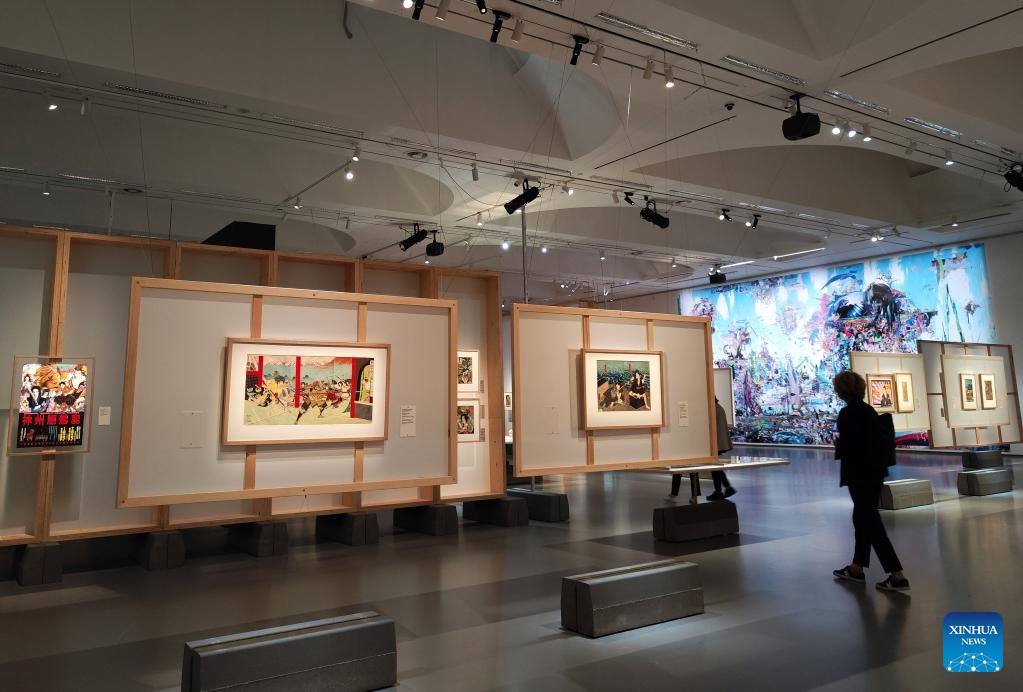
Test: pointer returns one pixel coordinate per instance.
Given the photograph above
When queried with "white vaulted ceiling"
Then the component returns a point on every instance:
(245, 104)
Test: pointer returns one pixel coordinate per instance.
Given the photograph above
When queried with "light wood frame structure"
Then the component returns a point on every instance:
(177, 261)
(585, 315)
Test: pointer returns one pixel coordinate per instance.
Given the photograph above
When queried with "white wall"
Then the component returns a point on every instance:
(657, 302)
(1004, 260)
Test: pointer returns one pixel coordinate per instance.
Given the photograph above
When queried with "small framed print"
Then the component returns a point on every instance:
(622, 389)
(968, 391)
(51, 401)
(467, 420)
(905, 397)
(881, 393)
(988, 392)
(468, 371)
(508, 400)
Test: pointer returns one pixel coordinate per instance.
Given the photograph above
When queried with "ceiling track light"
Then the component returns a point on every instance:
(520, 25)
(674, 263)
(628, 199)
(528, 195)
(577, 49)
(418, 236)
(756, 221)
(543, 249)
(46, 189)
(602, 256)
(669, 77)
(349, 173)
(418, 9)
(911, 148)
(723, 216)
(567, 189)
(407, 4)
(598, 55)
(505, 245)
(850, 130)
(651, 215)
(357, 153)
(475, 173)
(866, 134)
(86, 106)
(297, 204)
(481, 5)
(837, 129)
(499, 18)
(442, 10)
(648, 71)
(614, 196)
(479, 218)
(948, 158)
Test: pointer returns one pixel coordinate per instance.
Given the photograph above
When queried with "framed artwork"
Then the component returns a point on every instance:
(467, 420)
(467, 371)
(508, 401)
(294, 392)
(622, 389)
(988, 393)
(881, 393)
(51, 399)
(905, 397)
(968, 391)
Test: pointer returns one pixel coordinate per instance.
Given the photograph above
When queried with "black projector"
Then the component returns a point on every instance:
(435, 249)
(718, 278)
(801, 125)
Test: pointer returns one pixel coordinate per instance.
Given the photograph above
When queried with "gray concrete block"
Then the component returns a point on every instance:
(543, 505)
(352, 653)
(984, 481)
(40, 563)
(261, 539)
(161, 550)
(982, 460)
(435, 520)
(502, 511)
(356, 528)
(909, 492)
(624, 598)
(678, 523)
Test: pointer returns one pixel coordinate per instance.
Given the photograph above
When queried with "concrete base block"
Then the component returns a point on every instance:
(984, 481)
(909, 492)
(692, 522)
(435, 520)
(502, 511)
(543, 505)
(615, 600)
(41, 563)
(982, 460)
(353, 653)
(357, 528)
(261, 539)
(162, 550)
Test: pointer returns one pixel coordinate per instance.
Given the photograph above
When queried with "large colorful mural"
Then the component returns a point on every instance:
(785, 337)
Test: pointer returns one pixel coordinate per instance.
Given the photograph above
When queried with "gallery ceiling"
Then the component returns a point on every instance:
(175, 119)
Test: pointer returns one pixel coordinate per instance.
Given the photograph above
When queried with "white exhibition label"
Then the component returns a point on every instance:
(683, 414)
(190, 429)
(103, 415)
(550, 419)
(408, 421)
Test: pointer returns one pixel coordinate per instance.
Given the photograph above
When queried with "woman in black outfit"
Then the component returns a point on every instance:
(863, 472)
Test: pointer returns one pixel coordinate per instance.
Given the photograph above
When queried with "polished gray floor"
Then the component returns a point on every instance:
(480, 611)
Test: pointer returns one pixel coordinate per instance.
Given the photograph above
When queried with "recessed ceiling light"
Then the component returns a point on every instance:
(505, 245)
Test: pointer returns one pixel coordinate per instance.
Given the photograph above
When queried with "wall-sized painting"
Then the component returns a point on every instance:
(786, 337)
(622, 389)
(295, 392)
(50, 403)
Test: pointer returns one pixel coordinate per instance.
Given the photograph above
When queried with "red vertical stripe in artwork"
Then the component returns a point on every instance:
(352, 388)
(259, 373)
(298, 381)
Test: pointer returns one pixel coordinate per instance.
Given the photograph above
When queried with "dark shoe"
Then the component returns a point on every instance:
(893, 584)
(715, 496)
(729, 491)
(849, 575)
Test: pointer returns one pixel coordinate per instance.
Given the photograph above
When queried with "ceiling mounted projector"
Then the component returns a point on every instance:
(800, 125)
(435, 248)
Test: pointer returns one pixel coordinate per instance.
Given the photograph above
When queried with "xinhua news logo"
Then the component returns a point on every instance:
(972, 643)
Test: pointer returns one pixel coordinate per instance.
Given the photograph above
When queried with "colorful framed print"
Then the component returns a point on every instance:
(467, 420)
(622, 389)
(293, 392)
(467, 371)
(905, 396)
(988, 392)
(881, 393)
(51, 400)
(968, 391)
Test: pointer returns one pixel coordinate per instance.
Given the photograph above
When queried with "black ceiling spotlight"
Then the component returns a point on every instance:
(800, 125)
(723, 216)
(716, 275)
(628, 198)
(434, 248)
(527, 196)
(752, 223)
(499, 18)
(650, 214)
(418, 9)
(418, 236)
(1014, 177)
(482, 5)
(580, 41)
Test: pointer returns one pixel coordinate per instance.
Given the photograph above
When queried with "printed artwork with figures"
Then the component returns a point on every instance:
(786, 337)
(881, 393)
(307, 390)
(465, 370)
(51, 405)
(623, 385)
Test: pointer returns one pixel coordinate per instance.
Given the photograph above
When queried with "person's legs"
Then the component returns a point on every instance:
(879, 537)
(719, 479)
(861, 525)
(676, 483)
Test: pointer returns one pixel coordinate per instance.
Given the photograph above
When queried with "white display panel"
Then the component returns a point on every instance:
(725, 392)
(953, 367)
(867, 363)
(686, 365)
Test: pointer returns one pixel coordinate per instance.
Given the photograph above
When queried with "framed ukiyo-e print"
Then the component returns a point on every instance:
(881, 393)
(467, 372)
(467, 420)
(622, 389)
(51, 400)
(905, 397)
(968, 391)
(293, 392)
(988, 392)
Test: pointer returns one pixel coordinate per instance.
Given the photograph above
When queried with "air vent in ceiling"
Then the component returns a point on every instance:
(30, 70)
(763, 69)
(164, 95)
(409, 144)
(928, 125)
(696, 195)
(657, 35)
(869, 105)
(761, 207)
(89, 179)
(536, 167)
(313, 124)
(217, 195)
(625, 184)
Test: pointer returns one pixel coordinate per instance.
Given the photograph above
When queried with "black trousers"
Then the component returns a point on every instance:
(719, 478)
(869, 529)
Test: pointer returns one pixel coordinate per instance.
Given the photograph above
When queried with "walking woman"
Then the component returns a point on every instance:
(863, 472)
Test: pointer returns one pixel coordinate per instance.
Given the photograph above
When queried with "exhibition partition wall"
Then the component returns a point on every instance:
(598, 390)
(70, 293)
(895, 384)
